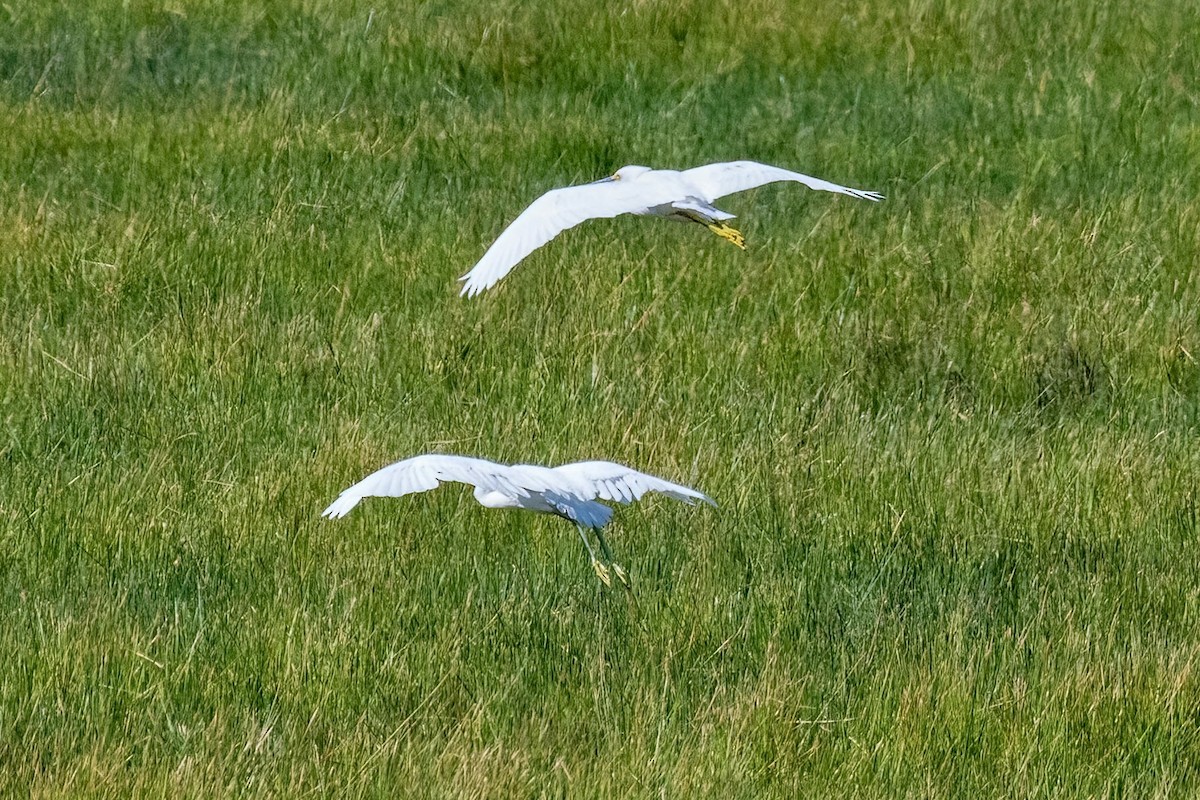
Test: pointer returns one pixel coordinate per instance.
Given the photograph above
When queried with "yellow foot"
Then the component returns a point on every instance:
(602, 572)
(622, 576)
(726, 232)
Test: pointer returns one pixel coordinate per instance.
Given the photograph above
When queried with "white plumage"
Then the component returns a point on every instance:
(567, 491)
(571, 491)
(685, 196)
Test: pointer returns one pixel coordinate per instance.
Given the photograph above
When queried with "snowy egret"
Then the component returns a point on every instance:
(685, 196)
(569, 491)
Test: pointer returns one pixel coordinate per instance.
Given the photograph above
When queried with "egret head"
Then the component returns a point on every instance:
(626, 174)
(629, 173)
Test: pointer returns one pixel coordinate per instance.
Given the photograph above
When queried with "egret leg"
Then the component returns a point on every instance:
(622, 575)
(601, 570)
(727, 232)
(604, 546)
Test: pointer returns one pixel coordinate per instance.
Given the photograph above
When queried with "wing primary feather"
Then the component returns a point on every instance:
(718, 180)
(416, 474)
(606, 476)
(551, 214)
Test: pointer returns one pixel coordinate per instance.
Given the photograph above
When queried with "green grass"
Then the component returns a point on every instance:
(955, 437)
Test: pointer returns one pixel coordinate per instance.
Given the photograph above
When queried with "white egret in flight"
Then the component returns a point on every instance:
(685, 196)
(570, 491)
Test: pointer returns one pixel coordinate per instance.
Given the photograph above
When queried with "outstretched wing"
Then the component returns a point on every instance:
(550, 215)
(608, 481)
(420, 474)
(718, 180)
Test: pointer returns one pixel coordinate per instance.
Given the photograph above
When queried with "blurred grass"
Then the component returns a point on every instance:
(953, 435)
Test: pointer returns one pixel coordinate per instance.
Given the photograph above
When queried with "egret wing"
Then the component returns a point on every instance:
(608, 481)
(550, 215)
(718, 180)
(420, 474)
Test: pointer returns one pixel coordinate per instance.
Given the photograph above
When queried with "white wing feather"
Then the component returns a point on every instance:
(571, 489)
(608, 481)
(551, 214)
(422, 473)
(718, 180)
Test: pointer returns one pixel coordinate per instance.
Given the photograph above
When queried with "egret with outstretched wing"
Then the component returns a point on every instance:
(685, 196)
(571, 491)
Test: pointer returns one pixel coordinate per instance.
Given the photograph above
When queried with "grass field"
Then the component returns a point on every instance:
(954, 437)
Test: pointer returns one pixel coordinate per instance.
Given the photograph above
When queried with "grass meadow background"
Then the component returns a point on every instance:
(954, 436)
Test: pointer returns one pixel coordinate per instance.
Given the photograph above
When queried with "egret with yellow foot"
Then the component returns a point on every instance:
(570, 491)
(684, 196)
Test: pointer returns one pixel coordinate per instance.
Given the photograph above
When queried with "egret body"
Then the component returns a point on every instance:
(684, 196)
(570, 491)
